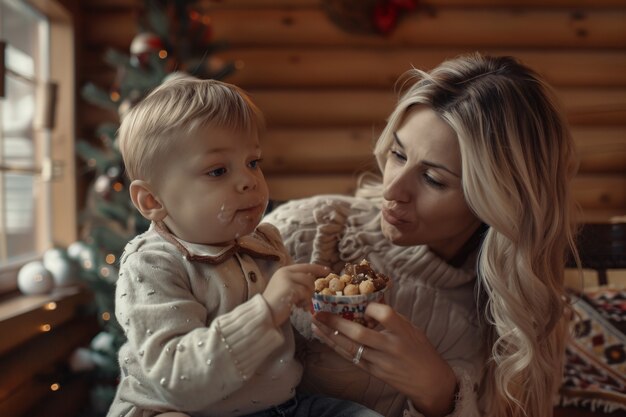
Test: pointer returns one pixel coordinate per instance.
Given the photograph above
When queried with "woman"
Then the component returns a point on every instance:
(472, 221)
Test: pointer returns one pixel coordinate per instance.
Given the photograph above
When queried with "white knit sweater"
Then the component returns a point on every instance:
(436, 297)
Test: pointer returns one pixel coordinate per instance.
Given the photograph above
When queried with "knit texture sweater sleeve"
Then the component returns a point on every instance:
(436, 297)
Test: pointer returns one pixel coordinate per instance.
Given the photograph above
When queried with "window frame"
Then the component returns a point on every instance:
(59, 168)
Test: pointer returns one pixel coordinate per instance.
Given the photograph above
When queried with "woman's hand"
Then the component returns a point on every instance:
(400, 355)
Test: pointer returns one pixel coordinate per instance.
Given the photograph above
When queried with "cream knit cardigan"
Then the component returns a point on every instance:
(436, 297)
(201, 338)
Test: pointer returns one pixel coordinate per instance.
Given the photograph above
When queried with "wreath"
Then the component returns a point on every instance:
(367, 16)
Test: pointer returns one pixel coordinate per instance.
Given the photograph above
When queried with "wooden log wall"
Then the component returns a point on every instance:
(326, 92)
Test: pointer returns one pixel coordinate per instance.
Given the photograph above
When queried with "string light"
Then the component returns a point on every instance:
(162, 54)
(115, 96)
(50, 306)
(45, 327)
(87, 264)
(118, 186)
(110, 259)
(106, 316)
(55, 387)
(104, 271)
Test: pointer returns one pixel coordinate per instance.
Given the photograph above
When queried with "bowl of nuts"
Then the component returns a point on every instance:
(348, 294)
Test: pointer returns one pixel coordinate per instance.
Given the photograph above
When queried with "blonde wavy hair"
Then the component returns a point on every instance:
(177, 107)
(518, 159)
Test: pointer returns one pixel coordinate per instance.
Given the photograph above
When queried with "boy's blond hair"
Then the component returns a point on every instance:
(179, 106)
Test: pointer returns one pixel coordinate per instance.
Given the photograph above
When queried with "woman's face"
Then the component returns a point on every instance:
(423, 196)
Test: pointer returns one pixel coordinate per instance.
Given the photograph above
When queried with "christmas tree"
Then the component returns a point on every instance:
(172, 36)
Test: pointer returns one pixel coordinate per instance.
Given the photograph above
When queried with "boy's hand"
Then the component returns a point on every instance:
(291, 285)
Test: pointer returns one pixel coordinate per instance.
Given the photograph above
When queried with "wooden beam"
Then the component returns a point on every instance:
(265, 67)
(601, 149)
(289, 187)
(474, 28)
(380, 68)
(601, 191)
(370, 108)
(68, 401)
(583, 106)
(23, 317)
(24, 398)
(238, 4)
(592, 192)
(594, 106)
(323, 151)
(347, 150)
(34, 358)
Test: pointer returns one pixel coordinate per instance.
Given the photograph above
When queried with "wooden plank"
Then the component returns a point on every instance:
(22, 318)
(594, 106)
(443, 27)
(233, 4)
(601, 149)
(600, 197)
(266, 67)
(366, 107)
(524, 3)
(23, 399)
(602, 216)
(68, 401)
(446, 27)
(229, 4)
(289, 187)
(318, 150)
(347, 67)
(348, 150)
(212, 4)
(23, 364)
(601, 191)
(324, 107)
(370, 108)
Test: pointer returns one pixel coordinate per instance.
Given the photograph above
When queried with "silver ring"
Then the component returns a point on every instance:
(359, 353)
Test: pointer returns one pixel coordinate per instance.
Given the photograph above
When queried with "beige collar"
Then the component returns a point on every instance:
(252, 244)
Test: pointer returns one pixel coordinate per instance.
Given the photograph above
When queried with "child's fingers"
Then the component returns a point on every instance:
(312, 269)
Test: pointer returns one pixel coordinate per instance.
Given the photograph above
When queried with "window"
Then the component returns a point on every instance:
(32, 195)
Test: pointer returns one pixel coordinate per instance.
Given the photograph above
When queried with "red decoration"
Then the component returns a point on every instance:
(367, 16)
(386, 13)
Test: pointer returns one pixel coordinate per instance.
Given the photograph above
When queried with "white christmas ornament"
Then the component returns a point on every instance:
(63, 271)
(34, 278)
(51, 254)
(81, 360)
(103, 341)
(75, 249)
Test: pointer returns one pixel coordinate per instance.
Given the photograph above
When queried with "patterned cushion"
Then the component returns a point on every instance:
(595, 369)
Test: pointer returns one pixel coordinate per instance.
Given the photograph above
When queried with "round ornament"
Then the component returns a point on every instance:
(34, 278)
(53, 253)
(102, 185)
(81, 360)
(63, 270)
(142, 46)
(103, 342)
(75, 249)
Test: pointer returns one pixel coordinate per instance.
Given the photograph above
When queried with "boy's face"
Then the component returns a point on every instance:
(212, 187)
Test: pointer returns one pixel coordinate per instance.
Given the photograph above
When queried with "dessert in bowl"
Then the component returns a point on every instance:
(348, 294)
